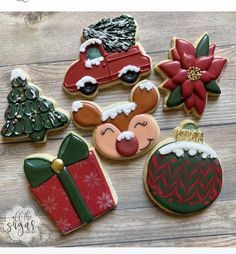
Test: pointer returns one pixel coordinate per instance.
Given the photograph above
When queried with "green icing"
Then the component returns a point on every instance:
(38, 170)
(29, 114)
(203, 46)
(116, 34)
(213, 87)
(174, 98)
(190, 126)
(184, 184)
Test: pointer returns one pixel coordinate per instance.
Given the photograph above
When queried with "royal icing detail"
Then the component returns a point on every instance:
(125, 135)
(18, 73)
(183, 176)
(123, 130)
(110, 55)
(84, 80)
(112, 112)
(127, 68)
(191, 74)
(89, 63)
(88, 43)
(76, 105)
(30, 115)
(178, 148)
(148, 85)
(75, 180)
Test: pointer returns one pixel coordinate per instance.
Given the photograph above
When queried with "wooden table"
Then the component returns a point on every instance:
(45, 44)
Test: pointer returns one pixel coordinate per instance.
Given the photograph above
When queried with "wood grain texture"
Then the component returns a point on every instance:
(45, 44)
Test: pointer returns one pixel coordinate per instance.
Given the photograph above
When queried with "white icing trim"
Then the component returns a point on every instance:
(96, 61)
(128, 68)
(89, 42)
(148, 85)
(76, 105)
(125, 135)
(192, 147)
(18, 73)
(84, 80)
(125, 108)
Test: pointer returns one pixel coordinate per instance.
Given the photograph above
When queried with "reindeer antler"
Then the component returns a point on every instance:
(146, 96)
(86, 114)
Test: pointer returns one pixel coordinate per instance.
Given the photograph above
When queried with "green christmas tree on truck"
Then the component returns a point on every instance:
(29, 114)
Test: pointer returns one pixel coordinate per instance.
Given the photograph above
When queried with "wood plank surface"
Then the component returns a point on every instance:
(45, 44)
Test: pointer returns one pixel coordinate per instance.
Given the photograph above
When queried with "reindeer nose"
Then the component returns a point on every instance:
(127, 144)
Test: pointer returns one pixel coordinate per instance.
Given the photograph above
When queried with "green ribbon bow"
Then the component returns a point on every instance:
(38, 170)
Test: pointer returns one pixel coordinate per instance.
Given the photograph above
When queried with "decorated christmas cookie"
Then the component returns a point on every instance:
(110, 54)
(191, 74)
(73, 187)
(123, 130)
(29, 114)
(183, 175)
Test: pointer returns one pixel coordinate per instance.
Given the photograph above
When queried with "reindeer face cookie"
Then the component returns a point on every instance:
(123, 130)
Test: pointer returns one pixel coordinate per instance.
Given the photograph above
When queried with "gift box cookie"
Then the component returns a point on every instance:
(73, 188)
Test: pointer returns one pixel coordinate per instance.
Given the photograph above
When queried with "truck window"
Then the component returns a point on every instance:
(93, 53)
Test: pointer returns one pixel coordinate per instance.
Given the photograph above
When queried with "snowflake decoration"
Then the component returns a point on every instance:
(49, 204)
(105, 201)
(92, 180)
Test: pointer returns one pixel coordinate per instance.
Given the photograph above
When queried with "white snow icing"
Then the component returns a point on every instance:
(89, 42)
(128, 68)
(96, 61)
(84, 80)
(18, 73)
(148, 85)
(125, 135)
(125, 108)
(180, 146)
(76, 105)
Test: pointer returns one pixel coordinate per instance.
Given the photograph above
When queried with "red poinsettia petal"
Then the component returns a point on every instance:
(199, 104)
(170, 68)
(200, 89)
(212, 49)
(206, 77)
(217, 66)
(203, 62)
(189, 102)
(184, 46)
(187, 88)
(169, 84)
(180, 76)
(175, 54)
(187, 61)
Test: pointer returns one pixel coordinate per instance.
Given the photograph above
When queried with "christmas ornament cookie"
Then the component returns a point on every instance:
(110, 54)
(29, 114)
(123, 130)
(191, 74)
(72, 188)
(183, 175)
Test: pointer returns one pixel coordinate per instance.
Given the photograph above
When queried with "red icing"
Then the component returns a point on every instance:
(127, 148)
(194, 92)
(92, 185)
(108, 70)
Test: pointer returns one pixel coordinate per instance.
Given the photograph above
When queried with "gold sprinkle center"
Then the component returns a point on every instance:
(57, 165)
(194, 73)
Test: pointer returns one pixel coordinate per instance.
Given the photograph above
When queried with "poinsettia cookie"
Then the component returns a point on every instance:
(183, 175)
(72, 188)
(110, 54)
(29, 114)
(123, 130)
(191, 74)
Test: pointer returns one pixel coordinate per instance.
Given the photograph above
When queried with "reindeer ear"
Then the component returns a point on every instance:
(86, 114)
(146, 96)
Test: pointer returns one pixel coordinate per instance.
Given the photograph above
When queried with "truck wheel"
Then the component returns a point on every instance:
(130, 77)
(88, 88)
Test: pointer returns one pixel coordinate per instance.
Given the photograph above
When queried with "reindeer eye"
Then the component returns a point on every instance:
(141, 123)
(107, 129)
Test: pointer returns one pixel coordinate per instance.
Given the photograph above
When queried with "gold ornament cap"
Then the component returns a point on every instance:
(188, 131)
(57, 165)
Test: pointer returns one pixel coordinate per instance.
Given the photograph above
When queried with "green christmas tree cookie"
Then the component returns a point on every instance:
(30, 115)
